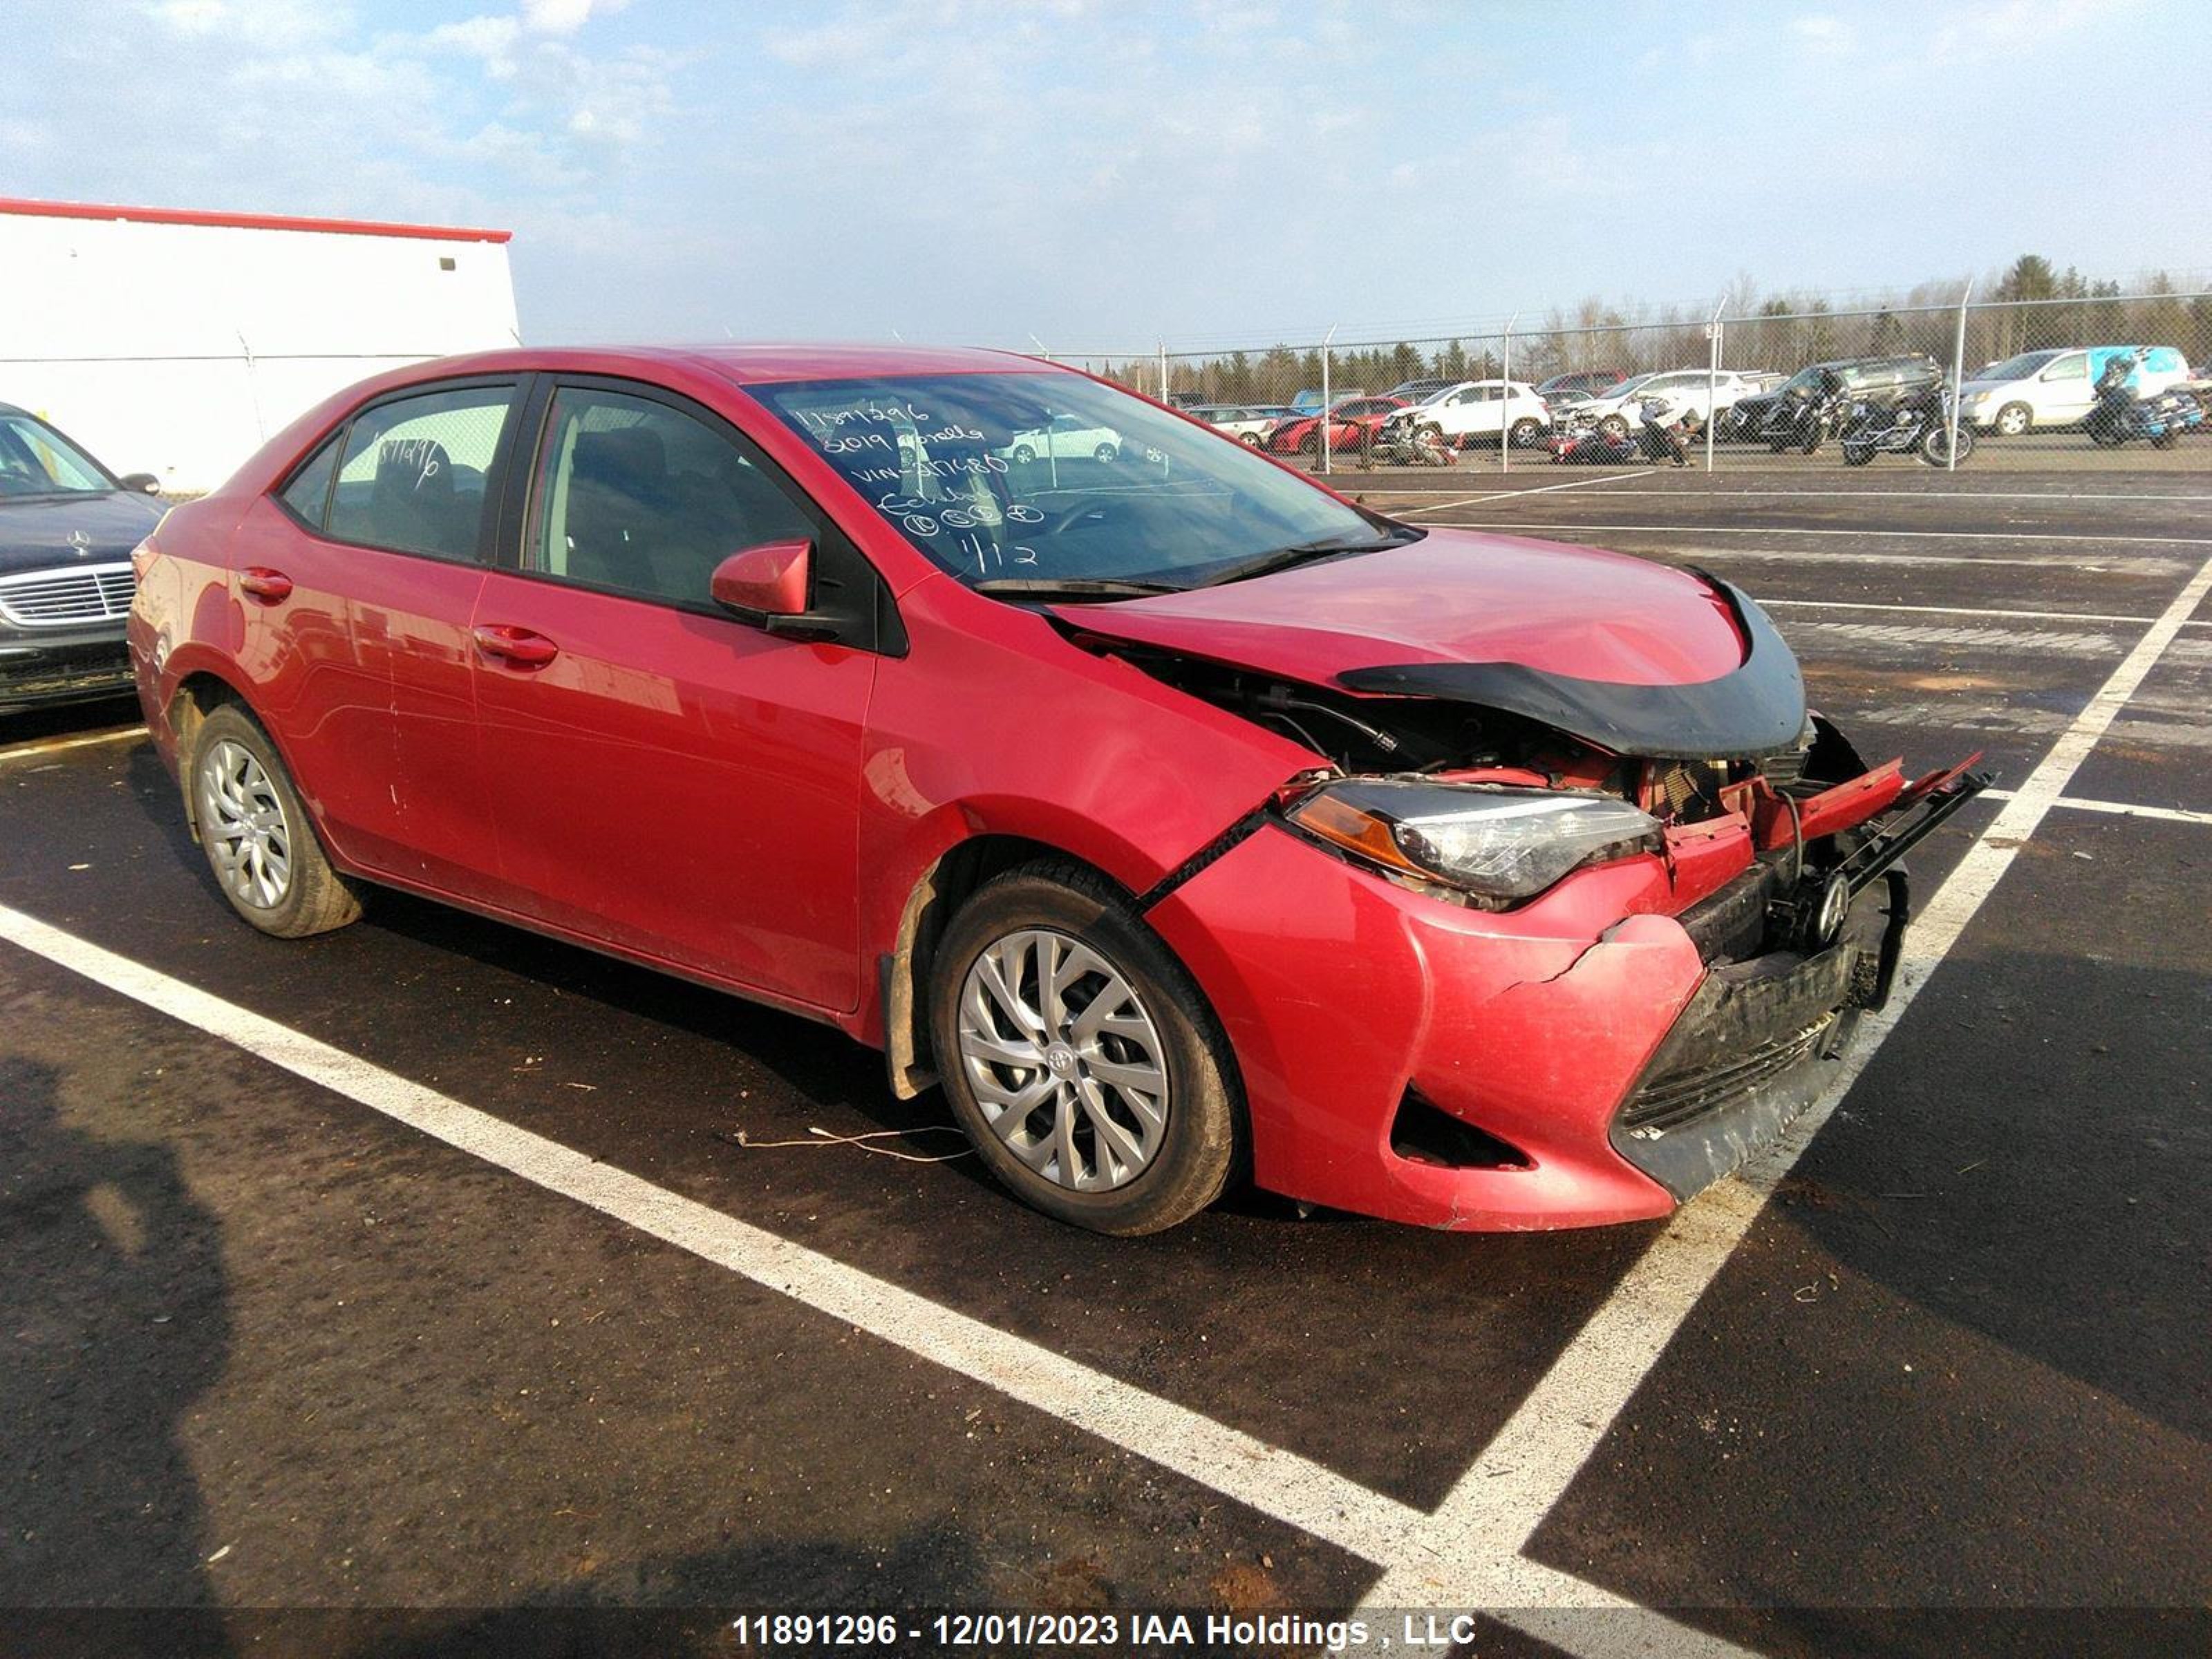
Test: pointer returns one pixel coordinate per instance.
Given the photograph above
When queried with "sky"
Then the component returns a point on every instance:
(1100, 175)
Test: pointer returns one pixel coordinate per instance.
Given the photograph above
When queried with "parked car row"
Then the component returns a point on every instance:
(2043, 390)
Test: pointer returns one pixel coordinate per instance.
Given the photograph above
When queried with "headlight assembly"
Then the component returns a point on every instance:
(1499, 845)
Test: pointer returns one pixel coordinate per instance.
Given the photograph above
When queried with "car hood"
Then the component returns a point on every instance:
(36, 531)
(1633, 656)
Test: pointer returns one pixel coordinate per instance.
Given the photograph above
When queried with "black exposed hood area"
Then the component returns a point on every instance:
(1754, 709)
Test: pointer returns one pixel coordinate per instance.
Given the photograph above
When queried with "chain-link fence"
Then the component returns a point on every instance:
(2101, 378)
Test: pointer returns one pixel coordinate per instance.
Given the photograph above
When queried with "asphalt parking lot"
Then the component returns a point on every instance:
(430, 1265)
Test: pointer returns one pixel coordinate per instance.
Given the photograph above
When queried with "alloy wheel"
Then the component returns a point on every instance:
(1066, 1065)
(242, 821)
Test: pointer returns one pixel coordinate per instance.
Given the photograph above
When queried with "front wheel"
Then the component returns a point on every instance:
(1079, 1056)
(1936, 447)
(1023, 454)
(256, 833)
(1104, 452)
(1613, 427)
(1310, 445)
(1857, 454)
(2014, 419)
(2106, 434)
(1525, 432)
(2166, 440)
(1251, 438)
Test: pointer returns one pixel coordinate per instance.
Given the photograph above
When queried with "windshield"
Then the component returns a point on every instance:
(37, 460)
(1622, 388)
(2015, 368)
(1806, 379)
(1052, 477)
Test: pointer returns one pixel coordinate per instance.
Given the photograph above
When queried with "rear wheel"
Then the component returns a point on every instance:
(256, 834)
(1079, 1055)
(1857, 454)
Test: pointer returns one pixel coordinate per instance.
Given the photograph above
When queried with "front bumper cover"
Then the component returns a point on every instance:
(1346, 997)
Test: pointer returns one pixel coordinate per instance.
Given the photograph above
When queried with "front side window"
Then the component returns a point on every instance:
(413, 478)
(37, 460)
(643, 499)
(951, 460)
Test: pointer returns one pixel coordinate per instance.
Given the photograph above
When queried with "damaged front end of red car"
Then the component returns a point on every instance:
(1535, 950)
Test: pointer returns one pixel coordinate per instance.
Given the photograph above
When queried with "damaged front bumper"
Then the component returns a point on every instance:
(1603, 1059)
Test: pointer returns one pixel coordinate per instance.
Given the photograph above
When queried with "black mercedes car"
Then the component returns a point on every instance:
(67, 526)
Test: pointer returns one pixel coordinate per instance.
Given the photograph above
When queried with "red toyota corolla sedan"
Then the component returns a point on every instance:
(1182, 821)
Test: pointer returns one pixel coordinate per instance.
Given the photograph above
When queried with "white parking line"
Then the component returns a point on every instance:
(32, 751)
(1274, 1482)
(1860, 531)
(2117, 808)
(1498, 1503)
(1963, 610)
(1545, 489)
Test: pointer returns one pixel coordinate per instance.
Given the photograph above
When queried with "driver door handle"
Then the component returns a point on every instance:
(519, 646)
(264, 583)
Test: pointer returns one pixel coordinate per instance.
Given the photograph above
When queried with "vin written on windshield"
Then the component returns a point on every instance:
(1034, 479)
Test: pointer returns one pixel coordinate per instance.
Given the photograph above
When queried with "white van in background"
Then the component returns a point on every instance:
(2057, 387)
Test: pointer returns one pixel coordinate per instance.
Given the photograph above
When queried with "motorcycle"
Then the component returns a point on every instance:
(1402, 442)
(1916, 424)
(1584, 441)
(1805, 421)
(1663, 432)
(2119, 415)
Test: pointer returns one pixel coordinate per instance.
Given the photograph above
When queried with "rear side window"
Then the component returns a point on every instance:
(413, 477)
(308, 495)
(641, 498)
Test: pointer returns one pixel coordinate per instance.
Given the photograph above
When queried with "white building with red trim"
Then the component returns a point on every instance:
(173, 341)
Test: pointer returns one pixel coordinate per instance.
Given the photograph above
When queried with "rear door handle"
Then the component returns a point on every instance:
(264, 583)
(519, 646)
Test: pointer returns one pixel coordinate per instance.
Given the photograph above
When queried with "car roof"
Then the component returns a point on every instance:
(744, 364)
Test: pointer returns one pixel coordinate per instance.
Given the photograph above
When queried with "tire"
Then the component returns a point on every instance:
(2106, 434)
(1104, 452)
(1432, 431)
(2012, 420)
(1524, 433)
(1023, 454)
(2166, 440)
(1310, 445)
(1814, 439)
(260, 843)
(1251, 438)
(1195, 1141)
(1775, 445)
(1613, 427)
(1857, 454)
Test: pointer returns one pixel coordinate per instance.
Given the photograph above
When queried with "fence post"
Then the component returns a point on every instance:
(1162, 348)
(1958, 375)
(1321, 421)
(1506, 396)
(1043, 351)
(1713, 378)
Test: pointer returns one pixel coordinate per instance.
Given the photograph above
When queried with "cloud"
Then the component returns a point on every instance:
(1829, 36)
(565, 16)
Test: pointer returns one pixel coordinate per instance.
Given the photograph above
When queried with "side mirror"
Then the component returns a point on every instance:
(144, 483)
(767, 585)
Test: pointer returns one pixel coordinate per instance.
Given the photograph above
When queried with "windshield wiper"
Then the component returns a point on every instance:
(1071, 587)
(1282, 558)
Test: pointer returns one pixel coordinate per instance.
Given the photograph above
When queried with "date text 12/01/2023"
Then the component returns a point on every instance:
(1195, 1633)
